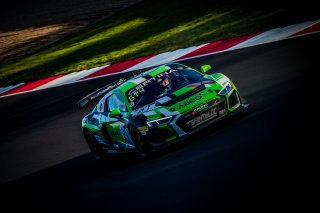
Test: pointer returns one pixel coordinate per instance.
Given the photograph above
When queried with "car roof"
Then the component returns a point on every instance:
(140, 78)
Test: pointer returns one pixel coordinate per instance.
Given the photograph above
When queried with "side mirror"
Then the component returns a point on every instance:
(205, 68)
(114, 113)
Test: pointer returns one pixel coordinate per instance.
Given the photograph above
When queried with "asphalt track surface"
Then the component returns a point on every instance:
(254, 161)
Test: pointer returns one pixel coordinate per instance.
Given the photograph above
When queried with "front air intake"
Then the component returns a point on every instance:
(234, 100)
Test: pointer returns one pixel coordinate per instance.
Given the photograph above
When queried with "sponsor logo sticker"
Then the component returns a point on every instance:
(199, 109)
(191, 100)
(203, 117)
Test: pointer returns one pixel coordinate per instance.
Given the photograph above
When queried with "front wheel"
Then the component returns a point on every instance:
(95, 147)
(142, 147)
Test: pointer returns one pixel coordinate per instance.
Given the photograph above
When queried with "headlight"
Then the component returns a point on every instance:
(158, 122)
(226, 89)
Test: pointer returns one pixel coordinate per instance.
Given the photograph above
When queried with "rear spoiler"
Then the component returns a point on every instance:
(103, 90)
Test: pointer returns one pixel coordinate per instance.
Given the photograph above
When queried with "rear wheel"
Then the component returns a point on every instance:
(142, 147)
(95, 147)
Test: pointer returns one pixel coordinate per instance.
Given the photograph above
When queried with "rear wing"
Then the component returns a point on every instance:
(94, 95)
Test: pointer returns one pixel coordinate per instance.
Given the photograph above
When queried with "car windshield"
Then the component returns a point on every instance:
(160, 85)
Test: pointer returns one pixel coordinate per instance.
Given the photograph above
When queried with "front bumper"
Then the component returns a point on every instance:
(191, 122)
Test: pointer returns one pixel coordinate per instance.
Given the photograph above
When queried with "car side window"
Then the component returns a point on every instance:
(116, 101)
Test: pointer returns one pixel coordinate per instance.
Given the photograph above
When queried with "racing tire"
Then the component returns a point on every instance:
(95, 147)
(142, 147)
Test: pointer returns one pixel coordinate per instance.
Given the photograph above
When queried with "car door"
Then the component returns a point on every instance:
(117, 125)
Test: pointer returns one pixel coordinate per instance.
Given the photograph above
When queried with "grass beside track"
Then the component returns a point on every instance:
(150, 27)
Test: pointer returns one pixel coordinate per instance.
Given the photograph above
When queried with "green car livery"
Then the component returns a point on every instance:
(157, 108)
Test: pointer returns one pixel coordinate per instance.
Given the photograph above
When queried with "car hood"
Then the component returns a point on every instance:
(182, 100)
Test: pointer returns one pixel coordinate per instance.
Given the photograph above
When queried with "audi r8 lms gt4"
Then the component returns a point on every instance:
(156, 108)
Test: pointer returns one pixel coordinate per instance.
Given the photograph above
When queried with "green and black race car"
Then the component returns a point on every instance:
(157, 108)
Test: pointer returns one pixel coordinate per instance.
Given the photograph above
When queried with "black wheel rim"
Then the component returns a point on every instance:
(92, 144)
(138, 142)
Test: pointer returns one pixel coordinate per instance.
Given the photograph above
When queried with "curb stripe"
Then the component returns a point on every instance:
(218, 46)
(262, 38)
(31, 85)
(163, 58)
(117, 67)
(5, 89)
(69, 78)
(274, 35)
(287, 31)
(311, 29)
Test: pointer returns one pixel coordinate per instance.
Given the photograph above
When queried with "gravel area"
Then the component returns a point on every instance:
(28, 26)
